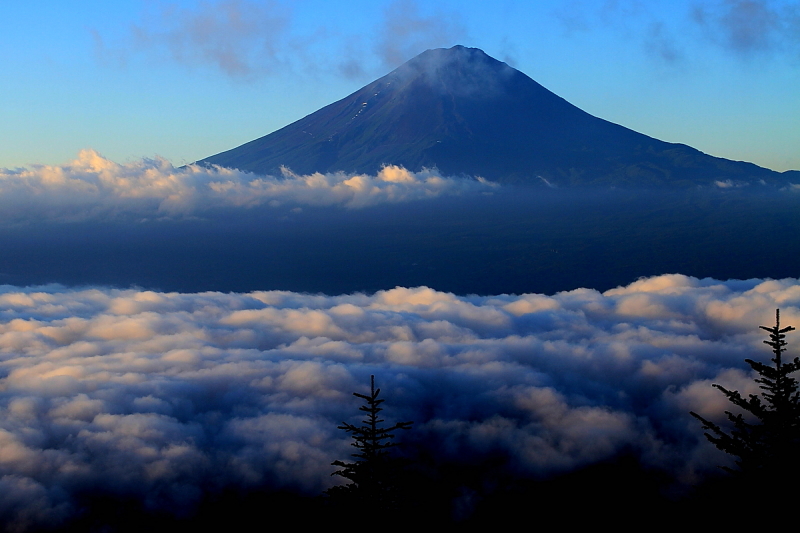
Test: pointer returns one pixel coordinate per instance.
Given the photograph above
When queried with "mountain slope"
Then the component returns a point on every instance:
(464, 112)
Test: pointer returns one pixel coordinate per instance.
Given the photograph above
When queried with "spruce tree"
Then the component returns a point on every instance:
(373, 473)
(764, 446)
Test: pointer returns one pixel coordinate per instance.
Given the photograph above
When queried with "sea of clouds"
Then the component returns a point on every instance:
(166, 396)
(92, 186)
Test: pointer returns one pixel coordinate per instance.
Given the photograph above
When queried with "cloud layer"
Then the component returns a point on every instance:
(165, 396)
(92, 186)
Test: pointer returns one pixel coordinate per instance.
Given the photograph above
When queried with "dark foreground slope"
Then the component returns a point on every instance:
(464, 112)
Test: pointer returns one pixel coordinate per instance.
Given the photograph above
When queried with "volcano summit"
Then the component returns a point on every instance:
(464, 112)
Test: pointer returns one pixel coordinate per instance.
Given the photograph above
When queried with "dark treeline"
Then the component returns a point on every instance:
(472, 494)
(482, 493)
(513, 241)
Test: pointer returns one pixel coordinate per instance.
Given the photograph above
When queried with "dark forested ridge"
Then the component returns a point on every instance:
(466, 113)
(515, 241)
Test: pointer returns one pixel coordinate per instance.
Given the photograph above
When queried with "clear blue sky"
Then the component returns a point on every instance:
(187, 79)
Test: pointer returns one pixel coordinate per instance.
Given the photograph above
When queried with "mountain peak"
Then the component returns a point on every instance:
(464, 112)
(464, 70)
(457, 53)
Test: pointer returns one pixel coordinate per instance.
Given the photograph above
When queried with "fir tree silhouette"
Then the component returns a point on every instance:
(373, 474)
(764, 447)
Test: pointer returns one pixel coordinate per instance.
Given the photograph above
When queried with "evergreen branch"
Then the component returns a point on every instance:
(763, 447)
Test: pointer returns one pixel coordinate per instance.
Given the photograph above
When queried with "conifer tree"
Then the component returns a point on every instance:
(764, 447)
(373, 472)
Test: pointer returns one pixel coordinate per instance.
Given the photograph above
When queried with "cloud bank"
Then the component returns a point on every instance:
(166, 396)
(92, 186)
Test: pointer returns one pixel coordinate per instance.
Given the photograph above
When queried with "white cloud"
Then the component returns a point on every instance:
(146, 394)
(94, 187)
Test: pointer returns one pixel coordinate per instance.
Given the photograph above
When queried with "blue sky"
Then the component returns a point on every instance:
(187, 79)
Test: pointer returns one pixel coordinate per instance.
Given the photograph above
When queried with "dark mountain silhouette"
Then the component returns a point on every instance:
(464, 112)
